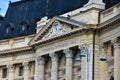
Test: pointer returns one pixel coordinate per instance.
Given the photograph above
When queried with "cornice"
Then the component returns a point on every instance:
(109, 23)
(16, 51)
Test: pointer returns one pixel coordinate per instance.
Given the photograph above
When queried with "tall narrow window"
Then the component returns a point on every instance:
(21, 71)
(112, 50)
(5, 73)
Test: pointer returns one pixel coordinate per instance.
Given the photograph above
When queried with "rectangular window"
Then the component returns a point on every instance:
(21, 71)
(112, 50)
(5, 72)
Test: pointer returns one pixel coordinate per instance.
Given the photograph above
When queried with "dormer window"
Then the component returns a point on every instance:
(9, 29)
(24, 27)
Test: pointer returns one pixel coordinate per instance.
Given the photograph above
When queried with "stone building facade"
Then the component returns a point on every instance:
(83, 44)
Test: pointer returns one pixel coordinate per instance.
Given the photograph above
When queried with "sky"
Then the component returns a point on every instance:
(4, 5)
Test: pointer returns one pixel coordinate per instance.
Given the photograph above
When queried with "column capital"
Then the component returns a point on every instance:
(116, 42)
(40, 60)
(26, 65)
(68, 52)
(11, 68)
(83, 48)
(54, 57)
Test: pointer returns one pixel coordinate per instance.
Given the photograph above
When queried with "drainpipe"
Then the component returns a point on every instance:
(94, 33)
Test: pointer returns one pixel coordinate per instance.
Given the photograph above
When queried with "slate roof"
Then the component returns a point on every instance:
(30, 11)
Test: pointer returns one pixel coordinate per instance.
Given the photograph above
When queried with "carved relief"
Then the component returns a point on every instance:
(56, 30)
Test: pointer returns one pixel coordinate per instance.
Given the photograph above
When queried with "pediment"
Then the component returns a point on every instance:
(56, 27)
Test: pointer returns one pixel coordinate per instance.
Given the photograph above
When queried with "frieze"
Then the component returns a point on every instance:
(59, 46)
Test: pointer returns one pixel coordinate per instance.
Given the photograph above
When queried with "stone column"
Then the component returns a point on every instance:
(69, 63)
(103, 64)
(10, 72)
(116, 43)
(84, 65)
(26, 70)
(39, 68)
(54, 68)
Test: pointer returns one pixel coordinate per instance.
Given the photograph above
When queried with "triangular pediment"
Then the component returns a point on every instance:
(56, 27)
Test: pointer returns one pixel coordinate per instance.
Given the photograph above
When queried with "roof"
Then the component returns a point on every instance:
(1, 17)
(28, 12)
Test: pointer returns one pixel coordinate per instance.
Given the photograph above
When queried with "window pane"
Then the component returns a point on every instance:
(112, 50)
(21, 71)
(5, 73)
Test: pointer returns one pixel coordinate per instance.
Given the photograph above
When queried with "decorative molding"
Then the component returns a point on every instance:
(16, 50)
(83, 48)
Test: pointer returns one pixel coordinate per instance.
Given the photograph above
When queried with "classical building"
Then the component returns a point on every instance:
(82, 43)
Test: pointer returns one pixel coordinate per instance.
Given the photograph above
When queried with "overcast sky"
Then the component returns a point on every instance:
(4, 6)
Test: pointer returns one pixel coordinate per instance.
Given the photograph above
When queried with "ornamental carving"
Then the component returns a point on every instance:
(83, 48)
(56, 30)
